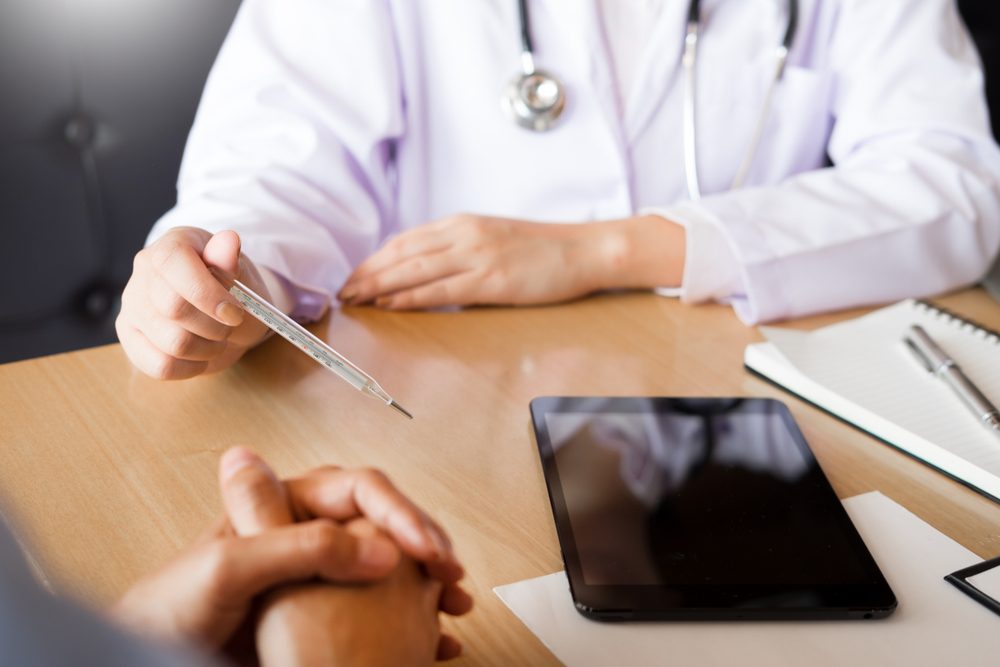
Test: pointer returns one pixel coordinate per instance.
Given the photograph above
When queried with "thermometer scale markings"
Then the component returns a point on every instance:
(288, 334)
(294, 333)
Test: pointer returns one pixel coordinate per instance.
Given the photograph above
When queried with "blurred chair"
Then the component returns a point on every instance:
(98, 98)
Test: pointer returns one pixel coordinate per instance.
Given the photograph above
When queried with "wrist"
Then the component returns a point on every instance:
(639, 252)
(156, 622)
(287, 634)
(319, 624)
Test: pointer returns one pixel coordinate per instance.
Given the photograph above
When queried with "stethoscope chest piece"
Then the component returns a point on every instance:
(535, 100)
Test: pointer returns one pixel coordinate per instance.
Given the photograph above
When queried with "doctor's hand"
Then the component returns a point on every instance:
(390, 622)
(469, 259)
(177, 320)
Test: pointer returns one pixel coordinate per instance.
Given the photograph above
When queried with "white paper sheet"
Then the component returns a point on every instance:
(988, 582)
(935, 623)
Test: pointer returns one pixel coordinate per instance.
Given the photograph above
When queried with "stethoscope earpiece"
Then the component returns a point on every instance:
(535, 100)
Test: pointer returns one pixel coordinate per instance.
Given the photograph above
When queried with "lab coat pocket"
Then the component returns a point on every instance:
(796, 130)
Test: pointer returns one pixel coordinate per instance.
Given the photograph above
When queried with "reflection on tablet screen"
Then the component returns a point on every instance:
(710, 493)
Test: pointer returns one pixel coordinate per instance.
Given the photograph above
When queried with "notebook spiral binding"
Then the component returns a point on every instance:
(964, 323)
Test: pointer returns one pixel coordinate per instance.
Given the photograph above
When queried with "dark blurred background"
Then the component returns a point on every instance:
(98, 98)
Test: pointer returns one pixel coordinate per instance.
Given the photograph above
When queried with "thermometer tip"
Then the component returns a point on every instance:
(400, 408)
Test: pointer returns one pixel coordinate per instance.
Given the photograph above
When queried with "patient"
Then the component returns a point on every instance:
(336, 568)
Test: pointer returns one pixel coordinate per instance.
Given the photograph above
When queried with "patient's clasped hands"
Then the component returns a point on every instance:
(336, 567)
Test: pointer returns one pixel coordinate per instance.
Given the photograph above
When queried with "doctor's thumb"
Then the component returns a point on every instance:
(223, 252)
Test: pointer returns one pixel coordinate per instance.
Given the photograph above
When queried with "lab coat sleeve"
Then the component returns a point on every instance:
(292, 143)
(911, 206)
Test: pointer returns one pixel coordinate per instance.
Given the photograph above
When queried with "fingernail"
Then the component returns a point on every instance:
(417, 535)
(440, 543)
(236, 459)
(230, 314)
(383, 301)
(378, 553)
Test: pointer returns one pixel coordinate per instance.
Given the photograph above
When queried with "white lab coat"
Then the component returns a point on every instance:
(328, 125)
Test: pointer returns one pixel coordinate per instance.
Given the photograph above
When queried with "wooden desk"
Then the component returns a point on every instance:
(110, 473)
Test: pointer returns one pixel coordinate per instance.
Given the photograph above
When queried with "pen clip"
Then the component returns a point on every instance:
(919, 355)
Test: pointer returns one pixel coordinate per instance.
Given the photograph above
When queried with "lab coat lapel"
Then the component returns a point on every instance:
(659, 70)
(592, 52)
(583, 22)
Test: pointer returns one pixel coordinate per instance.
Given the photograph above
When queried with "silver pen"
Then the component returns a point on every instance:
(937, 361)
(299, 336)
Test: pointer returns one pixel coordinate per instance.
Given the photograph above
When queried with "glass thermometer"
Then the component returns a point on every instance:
(296, 334)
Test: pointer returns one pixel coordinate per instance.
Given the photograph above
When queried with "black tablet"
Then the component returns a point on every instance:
(699, 508)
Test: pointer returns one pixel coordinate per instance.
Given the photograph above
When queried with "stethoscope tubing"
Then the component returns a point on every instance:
(525, 21)
(689, 62)
(541, 119)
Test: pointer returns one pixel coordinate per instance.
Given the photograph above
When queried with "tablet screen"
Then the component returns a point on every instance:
(706, 502)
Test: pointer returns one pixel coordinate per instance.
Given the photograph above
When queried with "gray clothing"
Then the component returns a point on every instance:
(37, 628)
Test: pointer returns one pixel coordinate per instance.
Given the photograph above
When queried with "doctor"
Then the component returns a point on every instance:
(786, 157)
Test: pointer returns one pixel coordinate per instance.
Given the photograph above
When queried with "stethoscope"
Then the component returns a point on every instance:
(535, 99)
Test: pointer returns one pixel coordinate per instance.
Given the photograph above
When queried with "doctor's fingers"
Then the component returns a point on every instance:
(414, 243)
(346, 494)
(406, 274)
(463, 234)
(166, 303)
(461, 289)
(151, 360)
(181, 266)
(177, 342)
(254, 498)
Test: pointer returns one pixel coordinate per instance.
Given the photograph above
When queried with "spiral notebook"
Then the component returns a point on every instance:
(861, 372)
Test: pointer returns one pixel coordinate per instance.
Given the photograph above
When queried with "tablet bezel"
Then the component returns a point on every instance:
(651, 602)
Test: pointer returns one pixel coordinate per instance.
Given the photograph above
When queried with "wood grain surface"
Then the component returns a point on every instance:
(109, 473)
